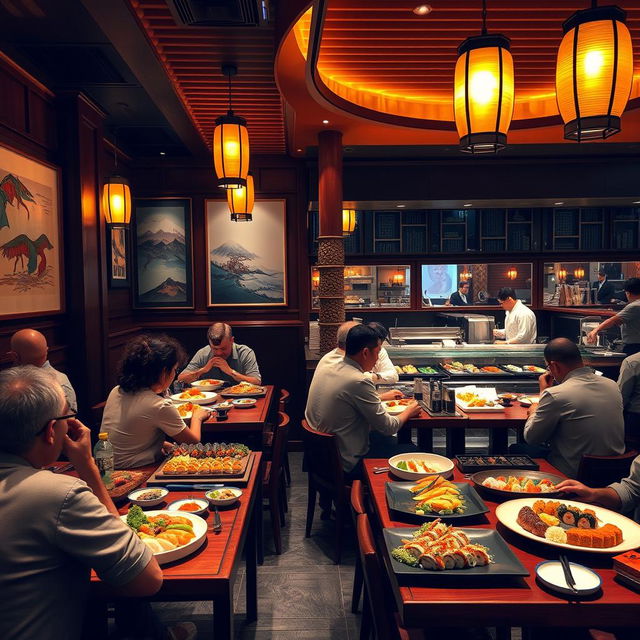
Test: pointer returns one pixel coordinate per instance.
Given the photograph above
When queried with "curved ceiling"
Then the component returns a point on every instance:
(381, 57)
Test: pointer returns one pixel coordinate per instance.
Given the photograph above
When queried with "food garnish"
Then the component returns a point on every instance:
(189, 506)
(438, 496)
(192, 394)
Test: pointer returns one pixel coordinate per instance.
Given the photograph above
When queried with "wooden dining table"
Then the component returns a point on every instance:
(497, 422)
(429, 600)
(210, 572)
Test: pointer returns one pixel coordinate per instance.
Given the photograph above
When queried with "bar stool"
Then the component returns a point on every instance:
(283, 401)
(357, 508)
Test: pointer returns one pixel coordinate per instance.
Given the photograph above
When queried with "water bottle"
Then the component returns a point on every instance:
(436, 398)
(417, 389)
(103, 454)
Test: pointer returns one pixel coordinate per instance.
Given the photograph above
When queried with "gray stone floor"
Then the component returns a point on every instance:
(301, 593)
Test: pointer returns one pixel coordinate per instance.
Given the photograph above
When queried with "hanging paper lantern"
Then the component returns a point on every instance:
(594, 73)
(512, 273)
(240, 202)
(231, 151)
(116, 201)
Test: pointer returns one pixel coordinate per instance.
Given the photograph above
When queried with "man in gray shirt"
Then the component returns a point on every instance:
(343, 402)
(56, 528)
(582, 414)
(628, 320)
(629, 384)
(222, 359)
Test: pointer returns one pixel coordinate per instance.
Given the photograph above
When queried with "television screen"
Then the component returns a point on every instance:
(439, 280)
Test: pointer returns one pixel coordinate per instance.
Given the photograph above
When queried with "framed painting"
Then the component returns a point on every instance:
(118, 240)
(31, 262)
(247, 263)
(161, 237)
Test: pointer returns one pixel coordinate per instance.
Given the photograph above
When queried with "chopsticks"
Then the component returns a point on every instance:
(568, 576)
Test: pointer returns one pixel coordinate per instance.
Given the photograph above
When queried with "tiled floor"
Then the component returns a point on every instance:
(301, 593)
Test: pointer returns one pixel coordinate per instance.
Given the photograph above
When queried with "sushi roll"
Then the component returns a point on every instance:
(586, 520)
(568, 515)
(449, 559)
(470, 556)
(460, 559)
(431, 562)
(415, 549)
(481, 555)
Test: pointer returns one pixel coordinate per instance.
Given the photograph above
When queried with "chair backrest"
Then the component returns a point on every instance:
(279, 444)
(599, 471)
(283, 400)
(374, 578)
(357, 497)
(322, 458)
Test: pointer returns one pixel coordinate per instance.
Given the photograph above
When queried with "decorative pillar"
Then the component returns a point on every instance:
(330, 240)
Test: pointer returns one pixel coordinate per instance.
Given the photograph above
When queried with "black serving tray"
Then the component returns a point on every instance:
(471, 464)
(400, 499)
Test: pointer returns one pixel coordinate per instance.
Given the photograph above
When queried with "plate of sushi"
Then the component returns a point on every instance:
(449, 551)
(435, 498)
(570, 525)
(170, 536)
(505, 483)
(194, 395)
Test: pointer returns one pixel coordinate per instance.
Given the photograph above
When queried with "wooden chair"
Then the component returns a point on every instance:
(357, 508)
(386, 622)
(283, 401)
(272, 480)
(325, 475)
(600, 471)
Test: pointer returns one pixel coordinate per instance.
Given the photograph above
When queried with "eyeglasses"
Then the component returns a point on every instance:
(73, 414)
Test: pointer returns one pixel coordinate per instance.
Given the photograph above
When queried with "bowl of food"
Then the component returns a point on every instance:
(527, 401)
(415, 466)
(244, 403)
(209, 384)
(507, 398)
(224, 496)
(196, 506)
(147, 497)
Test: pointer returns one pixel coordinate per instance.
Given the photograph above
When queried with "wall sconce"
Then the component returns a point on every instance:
(579, 273)
(315, 279)
(562, 275)
(349, 219)
(398, 279)
(512, 273)
(466, 275)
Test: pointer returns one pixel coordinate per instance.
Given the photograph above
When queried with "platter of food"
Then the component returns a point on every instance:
(513, 481)
(209, 384)
(477, 399)
(449, 551)
(169, 535)
(435, 498)
(395, 407)
(570, 525)
(195, 396)
(416, 466)
(470, 464)
(243, 390)
(126, 481)
(457, 368)
(209, 460)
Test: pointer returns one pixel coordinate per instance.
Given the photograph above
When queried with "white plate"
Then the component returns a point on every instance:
(244, 394)
(444, 465)
(244, 403)
(199, 528)
(224, 502)
(507, 514)
(201, 384)
(133, 496)
(394, 410)
(209, 397)
(186, 416)
(527, 401)
(174, 506)
(551, 575)
(488, 393)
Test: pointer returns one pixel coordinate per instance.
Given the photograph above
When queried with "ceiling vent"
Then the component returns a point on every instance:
(220, 13)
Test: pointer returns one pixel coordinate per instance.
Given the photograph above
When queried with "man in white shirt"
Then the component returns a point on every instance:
(519, 321)
(629, 385)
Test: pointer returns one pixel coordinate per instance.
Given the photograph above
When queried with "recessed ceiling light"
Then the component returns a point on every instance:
(401, 206)
(469, 204)
(422, 10)
(558, 203)
(299, 150)
(162, 153)
(325, 122)
(636, 202)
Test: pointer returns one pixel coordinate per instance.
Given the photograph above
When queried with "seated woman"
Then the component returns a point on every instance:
(137, 415)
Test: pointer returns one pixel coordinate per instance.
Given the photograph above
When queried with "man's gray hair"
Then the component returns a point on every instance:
(343, 330)
(218, 331)
(29, 398)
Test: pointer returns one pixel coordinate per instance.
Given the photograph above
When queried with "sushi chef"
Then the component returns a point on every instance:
(519, 322)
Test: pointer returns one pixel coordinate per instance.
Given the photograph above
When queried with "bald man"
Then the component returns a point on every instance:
(29, 346)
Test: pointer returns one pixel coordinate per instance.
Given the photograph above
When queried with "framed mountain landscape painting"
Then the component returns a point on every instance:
(163, 255)
(30, 248)
(247, 260)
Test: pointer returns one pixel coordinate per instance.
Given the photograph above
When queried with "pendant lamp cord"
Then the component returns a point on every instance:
(230, 108)
(484, 17)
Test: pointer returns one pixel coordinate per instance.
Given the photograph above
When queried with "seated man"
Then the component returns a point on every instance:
(383, 371)
(223, 359)
(519, 321)
(629, 385)
(459, 298)
(582, 414)
(56, 527)
(343, 402)
(29, 346)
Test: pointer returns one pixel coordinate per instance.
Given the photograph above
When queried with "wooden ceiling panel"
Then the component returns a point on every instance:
(193, 57)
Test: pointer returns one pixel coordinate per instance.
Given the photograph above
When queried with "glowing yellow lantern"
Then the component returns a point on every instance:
(483, 91)
(116, 201)
(398, 278)
(240, 201)
(349, 219)
(594, 73)
(315, 279)
(562, 275)
(512, 273)
(579, 273)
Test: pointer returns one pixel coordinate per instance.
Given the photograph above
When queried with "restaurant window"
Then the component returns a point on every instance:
(371, 286)
(440, 281)
(567, 284)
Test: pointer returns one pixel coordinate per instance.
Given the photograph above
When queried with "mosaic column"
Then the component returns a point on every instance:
(330, 240)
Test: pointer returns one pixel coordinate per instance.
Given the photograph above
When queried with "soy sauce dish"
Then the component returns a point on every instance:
(551, 576)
